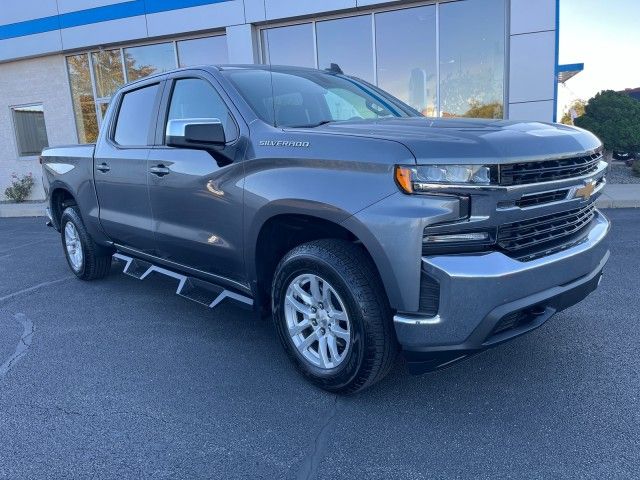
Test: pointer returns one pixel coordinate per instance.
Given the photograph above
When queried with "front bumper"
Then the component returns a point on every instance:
(481, 294)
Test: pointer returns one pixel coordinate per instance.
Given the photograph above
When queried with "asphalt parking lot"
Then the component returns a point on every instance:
(122, 379)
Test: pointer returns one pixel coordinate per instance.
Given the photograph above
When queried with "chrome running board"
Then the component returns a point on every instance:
(205, 293)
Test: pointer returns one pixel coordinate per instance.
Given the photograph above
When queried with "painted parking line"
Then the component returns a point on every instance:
(23, 345)
(34, 288)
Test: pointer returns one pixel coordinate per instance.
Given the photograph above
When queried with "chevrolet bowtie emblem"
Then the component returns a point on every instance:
(586, 191)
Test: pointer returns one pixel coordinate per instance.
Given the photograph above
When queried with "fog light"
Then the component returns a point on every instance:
(457, 237)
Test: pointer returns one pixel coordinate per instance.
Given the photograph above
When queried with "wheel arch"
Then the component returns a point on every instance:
(60, 198)
(282, 228)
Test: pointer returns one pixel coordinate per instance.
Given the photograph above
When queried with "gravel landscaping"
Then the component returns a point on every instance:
(620, 173)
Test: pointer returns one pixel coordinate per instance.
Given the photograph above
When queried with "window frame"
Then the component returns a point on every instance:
(12, 111)
(364, 15)
(113, 120)
(389, 8)
(200, 37)
(261, 36)
(97, 100)
(123, 55)
(165, 104)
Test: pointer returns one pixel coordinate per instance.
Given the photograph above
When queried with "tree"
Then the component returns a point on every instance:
(477, 109)
(578, 107)
(83, 102)
(615, 118)
(109, 77)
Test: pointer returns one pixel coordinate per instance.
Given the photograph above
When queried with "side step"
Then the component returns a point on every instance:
(205, 293)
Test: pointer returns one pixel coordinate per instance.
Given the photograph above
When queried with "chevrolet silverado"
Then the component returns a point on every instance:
(360, 226)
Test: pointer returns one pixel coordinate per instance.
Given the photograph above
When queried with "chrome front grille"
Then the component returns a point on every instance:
(548, 170)
(541, 232)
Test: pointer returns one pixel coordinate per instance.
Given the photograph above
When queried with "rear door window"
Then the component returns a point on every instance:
(136, 117)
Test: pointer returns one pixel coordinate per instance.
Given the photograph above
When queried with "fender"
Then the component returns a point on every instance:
(309, 208)
(86, 199)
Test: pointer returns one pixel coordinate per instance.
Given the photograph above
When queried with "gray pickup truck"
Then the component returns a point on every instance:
(362, 227)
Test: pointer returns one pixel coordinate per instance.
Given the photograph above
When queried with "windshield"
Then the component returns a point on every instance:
(308, 98)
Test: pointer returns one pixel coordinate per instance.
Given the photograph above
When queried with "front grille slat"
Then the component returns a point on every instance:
(537, 221)
(542, 198)
(524, 173)
(540, 231)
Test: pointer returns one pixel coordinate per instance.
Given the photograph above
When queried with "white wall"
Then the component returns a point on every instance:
(41, 80)
(532, 60)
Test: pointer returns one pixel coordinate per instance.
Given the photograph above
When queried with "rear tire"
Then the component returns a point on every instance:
(87, 260)
(332, 315)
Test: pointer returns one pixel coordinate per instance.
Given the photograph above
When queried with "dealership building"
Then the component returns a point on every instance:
(61, 60)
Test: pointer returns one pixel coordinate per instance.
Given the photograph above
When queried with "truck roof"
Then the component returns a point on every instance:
(229, 67)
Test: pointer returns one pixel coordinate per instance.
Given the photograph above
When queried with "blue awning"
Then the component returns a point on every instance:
(569, 70)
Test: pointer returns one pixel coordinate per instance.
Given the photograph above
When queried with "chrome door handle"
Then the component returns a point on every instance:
(160, 170)
(103, 167)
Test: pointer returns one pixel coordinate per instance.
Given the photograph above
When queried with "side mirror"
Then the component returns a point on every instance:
(200, 133)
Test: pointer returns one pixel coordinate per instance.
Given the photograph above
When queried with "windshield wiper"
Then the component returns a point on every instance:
(313, 125)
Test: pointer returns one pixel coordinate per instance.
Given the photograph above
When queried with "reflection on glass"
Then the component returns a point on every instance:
(84, 107)
(289, 46)
(107, 70)
(149, 59)
(203, 51)
(31, 132)
(472, 58)
(135, 116)
(344, 104)
(307, 98)
(348, 43)
(103, 108)
(406, 56)
(195, 98)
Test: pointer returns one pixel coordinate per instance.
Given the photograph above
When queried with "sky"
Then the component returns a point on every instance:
(605, 36)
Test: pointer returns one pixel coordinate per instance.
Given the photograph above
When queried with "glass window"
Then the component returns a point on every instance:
(289, 46)
(103, 108)
(196, 98)
(135, 116)
(149, 59)
(203, 51)
(84, 107)
(472, 58)
(306, 98)
(107, 71)
(347, 42)
(31, 132)
(347, 105)
(406, 56)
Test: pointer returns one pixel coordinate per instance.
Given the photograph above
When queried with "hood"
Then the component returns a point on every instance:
(470, 140)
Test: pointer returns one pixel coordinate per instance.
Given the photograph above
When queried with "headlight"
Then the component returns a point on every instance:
(417, 179)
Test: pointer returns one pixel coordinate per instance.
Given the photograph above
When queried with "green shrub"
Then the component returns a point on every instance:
(20, 187)
(615, 118)
(635, 166)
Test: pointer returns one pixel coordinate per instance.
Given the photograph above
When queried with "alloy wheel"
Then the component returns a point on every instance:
(317, 321)
(73, 245)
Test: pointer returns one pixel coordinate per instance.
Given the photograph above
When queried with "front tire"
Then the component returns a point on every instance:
(87, 260)
(332, 315)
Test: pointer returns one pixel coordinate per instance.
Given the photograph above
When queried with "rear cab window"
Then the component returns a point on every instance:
(136, 116)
